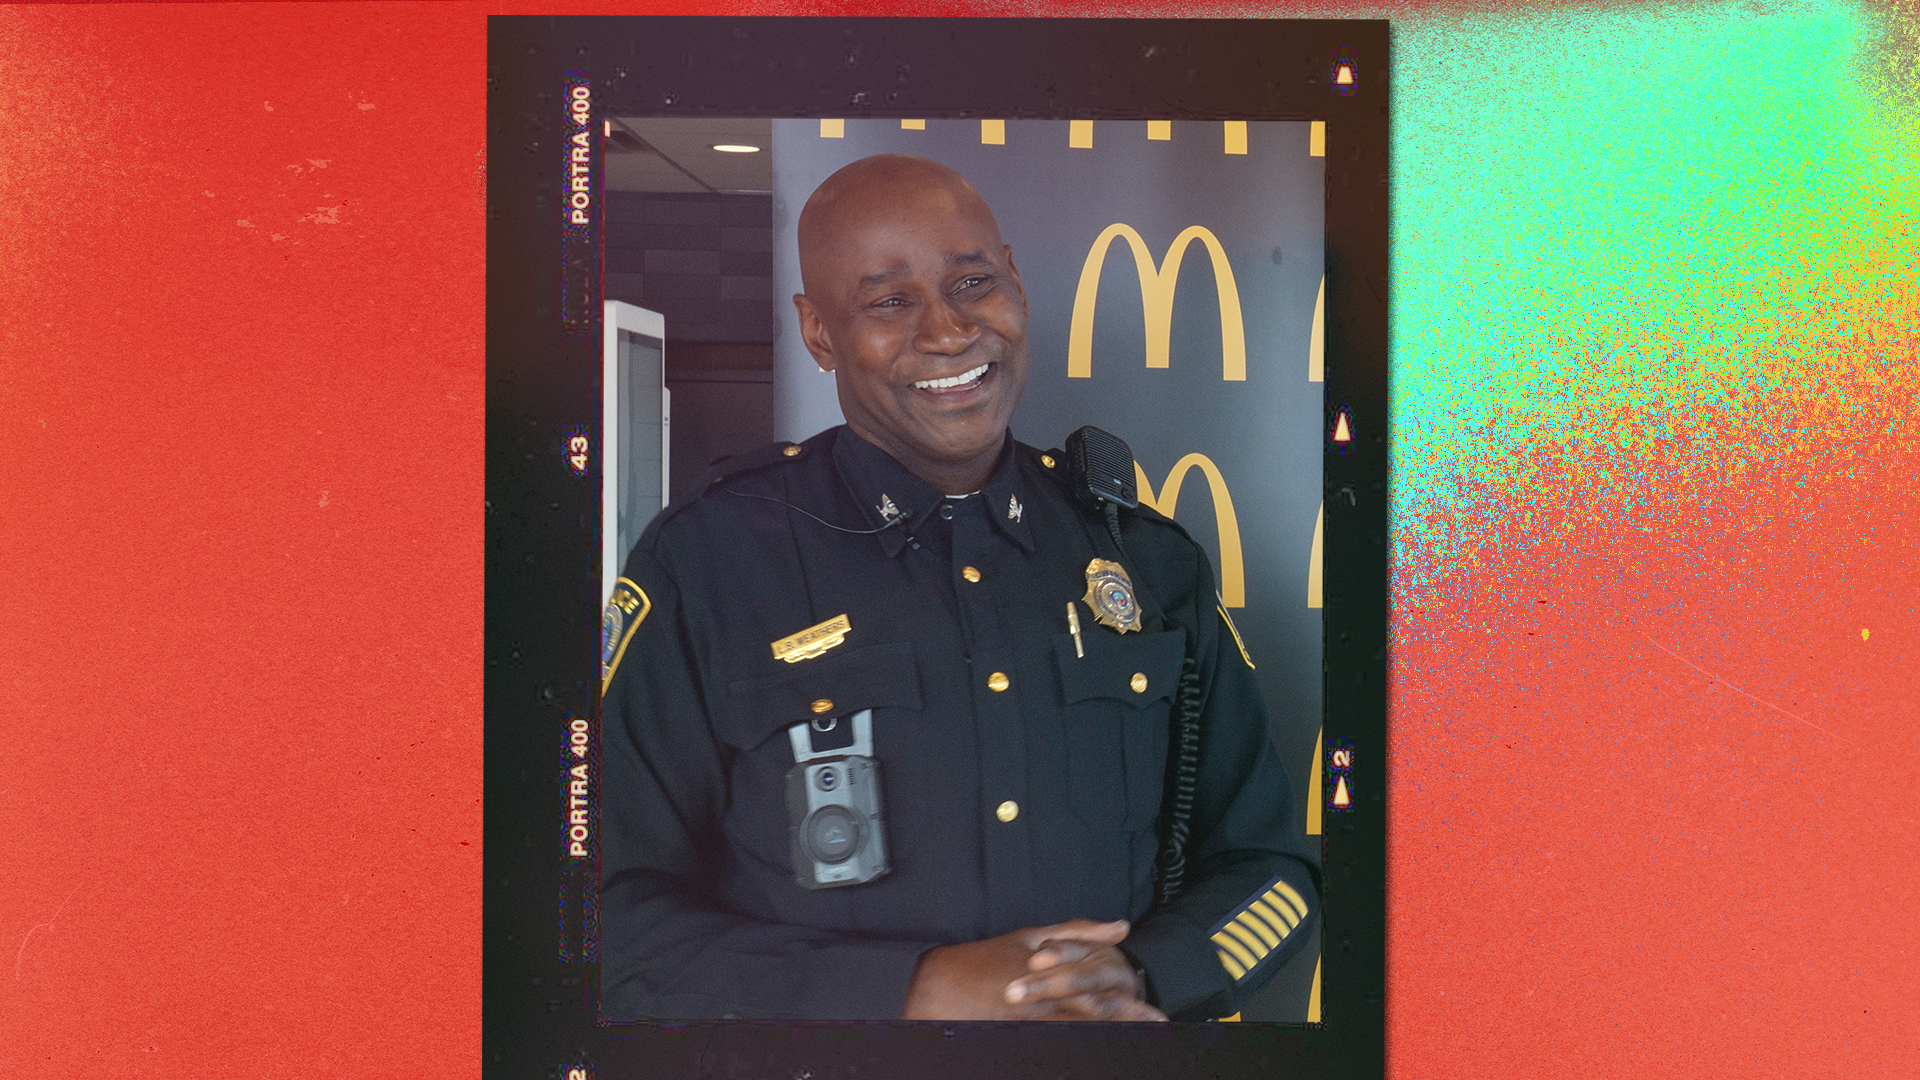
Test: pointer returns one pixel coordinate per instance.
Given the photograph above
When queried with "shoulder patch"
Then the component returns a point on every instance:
(626, 610)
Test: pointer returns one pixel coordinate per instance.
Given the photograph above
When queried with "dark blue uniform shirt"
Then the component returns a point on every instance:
(1022, 784)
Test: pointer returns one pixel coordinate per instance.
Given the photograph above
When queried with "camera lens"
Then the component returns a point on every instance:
(832, 833)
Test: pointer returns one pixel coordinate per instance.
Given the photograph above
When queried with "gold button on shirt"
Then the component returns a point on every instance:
(998, 681)
(1007, 811)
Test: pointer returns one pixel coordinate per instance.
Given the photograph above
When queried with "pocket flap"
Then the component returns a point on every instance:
(877, 676)
(1135, 669)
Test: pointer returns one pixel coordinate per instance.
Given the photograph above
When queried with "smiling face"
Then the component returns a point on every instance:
(913, 302)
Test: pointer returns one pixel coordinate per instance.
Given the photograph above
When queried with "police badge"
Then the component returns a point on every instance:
(1110, 595)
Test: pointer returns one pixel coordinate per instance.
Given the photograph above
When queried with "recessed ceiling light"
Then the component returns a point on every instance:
(736, 148)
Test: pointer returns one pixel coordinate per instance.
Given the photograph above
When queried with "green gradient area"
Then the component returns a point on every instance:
(1599, 215)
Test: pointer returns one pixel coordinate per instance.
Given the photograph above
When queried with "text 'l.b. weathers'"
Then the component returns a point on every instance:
(1156, 298)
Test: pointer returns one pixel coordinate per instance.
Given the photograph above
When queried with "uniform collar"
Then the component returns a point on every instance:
(885, 490)
(1007, 497)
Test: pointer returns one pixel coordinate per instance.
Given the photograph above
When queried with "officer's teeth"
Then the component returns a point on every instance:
(957, 380)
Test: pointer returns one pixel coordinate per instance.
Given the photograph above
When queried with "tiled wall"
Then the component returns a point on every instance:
(703, 261)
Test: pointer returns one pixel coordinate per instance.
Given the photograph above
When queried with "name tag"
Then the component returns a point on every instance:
(812, 641)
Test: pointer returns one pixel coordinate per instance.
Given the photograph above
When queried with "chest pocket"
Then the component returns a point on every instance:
(754, 724)
(1118, 698)
(837, 684)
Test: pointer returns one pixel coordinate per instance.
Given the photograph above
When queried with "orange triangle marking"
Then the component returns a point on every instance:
(1345, 78)
(1342, 433)
(1340, 796)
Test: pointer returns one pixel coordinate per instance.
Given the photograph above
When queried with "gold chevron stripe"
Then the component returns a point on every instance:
(1252, 943)
(1233, 967)
(1282, 909)
(1293, 897)
(1272, 917)
(1238, 950)
(1254, 923)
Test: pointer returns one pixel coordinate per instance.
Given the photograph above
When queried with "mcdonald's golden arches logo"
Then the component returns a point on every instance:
(1233, 568)
(1157, 284)
(1156, 298)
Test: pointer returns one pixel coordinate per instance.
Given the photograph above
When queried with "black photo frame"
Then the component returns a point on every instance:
(542, 509)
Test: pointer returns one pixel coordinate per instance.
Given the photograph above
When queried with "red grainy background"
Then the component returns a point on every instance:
(240, 478)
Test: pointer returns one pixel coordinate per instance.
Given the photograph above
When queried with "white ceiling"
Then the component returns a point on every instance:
(689, 142)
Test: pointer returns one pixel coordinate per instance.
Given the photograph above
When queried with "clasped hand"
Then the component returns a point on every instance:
(1067, 971)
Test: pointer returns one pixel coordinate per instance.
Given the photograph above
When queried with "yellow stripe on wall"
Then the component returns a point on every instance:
(833, 129)
(1317, 337)
(1316, 561)
(993, 132)
(1236, 135)
(1317, 139)
(1313, 999)
(913, 125)
(1159, 130)
(1314, 794)
(1080, 134)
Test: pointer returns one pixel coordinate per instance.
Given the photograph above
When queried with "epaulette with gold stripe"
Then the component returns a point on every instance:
(1246, 938)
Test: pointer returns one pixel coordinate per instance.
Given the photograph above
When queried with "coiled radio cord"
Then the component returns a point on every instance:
(1183, 763)
(1183, 781)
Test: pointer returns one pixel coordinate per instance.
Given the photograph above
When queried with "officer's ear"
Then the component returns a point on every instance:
(813, 332)
(1015, 271)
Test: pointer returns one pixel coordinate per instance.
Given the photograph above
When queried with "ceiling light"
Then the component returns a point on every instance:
(736, 148)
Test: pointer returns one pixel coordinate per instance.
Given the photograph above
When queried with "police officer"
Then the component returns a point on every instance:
(887, 713)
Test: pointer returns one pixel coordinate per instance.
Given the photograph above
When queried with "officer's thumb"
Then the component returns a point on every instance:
(1107, 933)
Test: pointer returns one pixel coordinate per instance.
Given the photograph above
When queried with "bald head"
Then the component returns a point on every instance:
(912, 301)
(878, 187)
